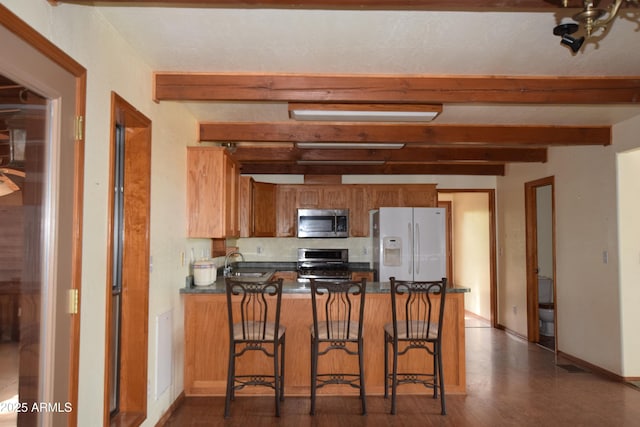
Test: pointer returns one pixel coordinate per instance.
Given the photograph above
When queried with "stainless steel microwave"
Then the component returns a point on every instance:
(323, 223)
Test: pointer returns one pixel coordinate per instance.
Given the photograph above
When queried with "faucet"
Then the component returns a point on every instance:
(227, 267)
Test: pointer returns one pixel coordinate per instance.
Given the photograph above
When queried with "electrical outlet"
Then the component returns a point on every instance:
(259, 250)
(515, 309)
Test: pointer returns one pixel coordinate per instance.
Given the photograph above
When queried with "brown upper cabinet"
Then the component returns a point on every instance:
(358, 198)
(212, 193)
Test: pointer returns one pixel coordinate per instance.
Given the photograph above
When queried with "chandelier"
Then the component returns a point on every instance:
(593, 20)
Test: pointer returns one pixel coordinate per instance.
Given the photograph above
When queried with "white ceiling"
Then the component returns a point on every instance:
(380, 42)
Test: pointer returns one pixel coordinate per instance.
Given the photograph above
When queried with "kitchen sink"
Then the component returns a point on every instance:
(257, 276)
(249, 273)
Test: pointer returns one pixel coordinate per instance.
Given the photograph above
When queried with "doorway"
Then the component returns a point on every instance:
(473, 251)
(48, 150)
(540, 253)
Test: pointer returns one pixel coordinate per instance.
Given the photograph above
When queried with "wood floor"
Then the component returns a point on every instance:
(509, 383)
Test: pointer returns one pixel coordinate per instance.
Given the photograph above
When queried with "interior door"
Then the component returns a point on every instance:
(52, 225)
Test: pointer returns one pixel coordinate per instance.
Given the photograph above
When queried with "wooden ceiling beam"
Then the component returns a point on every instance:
(349, 4)
(257, 154)
(387, 169)
(396, 88)
(405, 133)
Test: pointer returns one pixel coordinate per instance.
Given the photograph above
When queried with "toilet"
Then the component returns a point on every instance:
(545, 306)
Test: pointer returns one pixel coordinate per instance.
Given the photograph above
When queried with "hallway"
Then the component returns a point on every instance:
(510, 382)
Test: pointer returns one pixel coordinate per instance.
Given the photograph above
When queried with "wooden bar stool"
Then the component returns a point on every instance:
(254, 325)
(416, 325)
(338, 312)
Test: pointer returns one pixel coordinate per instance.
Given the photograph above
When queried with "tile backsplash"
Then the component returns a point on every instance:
(285, 249)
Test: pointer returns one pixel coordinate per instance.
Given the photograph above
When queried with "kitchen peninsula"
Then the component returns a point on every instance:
(207, 342)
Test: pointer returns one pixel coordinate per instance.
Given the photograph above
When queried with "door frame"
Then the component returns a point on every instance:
(134, 333)
(531, 233)
(58, 57)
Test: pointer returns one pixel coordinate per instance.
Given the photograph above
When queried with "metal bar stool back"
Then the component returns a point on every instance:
(254, 326)
(417, 316)
(338, 313)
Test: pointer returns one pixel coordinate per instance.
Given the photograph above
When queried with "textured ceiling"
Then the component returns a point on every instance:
(380, 42)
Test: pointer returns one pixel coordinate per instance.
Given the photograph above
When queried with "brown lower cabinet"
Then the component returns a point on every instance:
(207, 342)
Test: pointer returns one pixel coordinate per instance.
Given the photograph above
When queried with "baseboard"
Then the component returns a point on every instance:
(594, 369)
(511, 332)
(175, 405)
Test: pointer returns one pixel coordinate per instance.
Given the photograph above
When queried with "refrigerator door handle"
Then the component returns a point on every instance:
(410, 233)
(417, 248)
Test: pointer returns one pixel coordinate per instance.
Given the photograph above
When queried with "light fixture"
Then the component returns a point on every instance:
(592, 20)
(230, 146)
(350, 145)
(364, 112)
(565, 31)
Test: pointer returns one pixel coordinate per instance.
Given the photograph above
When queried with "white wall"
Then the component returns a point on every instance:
(629, 248)
(589, 291)
(111, 65)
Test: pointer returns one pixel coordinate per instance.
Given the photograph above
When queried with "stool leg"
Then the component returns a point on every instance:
(282, 370)
(361, 366)
(386, 367)
(230, 381)
(435, 371)
(314, 373)
(394, 376)
(441, 382)
(276, 376)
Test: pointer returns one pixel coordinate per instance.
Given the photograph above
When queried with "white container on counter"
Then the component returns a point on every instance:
(204, 272)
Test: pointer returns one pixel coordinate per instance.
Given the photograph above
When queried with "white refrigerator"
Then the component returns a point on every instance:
(409, 243)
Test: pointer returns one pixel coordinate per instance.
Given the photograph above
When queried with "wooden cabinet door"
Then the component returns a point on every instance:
(383, 195)
(358, 211)
(336, 197)
(230, 199)
(357, 275)
(212, 193)
(286, 210)
(264, 209)
(287, 276)
(245, 206)
(419, 195)
(204, 192)
(309, 196)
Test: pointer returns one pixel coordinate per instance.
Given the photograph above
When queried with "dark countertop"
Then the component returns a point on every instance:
(291, 287)
(296, 288)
